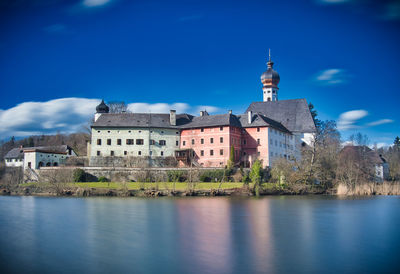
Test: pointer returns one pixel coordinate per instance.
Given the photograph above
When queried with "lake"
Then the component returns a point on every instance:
(279, 234)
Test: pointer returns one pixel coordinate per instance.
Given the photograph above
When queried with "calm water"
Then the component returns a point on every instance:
(199, 235)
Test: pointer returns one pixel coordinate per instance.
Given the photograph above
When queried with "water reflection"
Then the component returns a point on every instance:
(205, 234)
(199, 235)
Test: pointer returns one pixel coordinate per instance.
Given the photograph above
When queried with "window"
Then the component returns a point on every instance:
(211, 152)
(151, 152)
(211, 140)
(112, 153)
(202, 129)
(139, 141)
(98, 153)
(162, 142)
(98, 131)
(177, 143)
(258, 129)
(221, 128)
(119, 142)
(129, 141)
(221, 152)
(177, 132)
(152, 142)
(125, 152)
(109, 142)
(201, 152)
(162, 153)
(221, 139)
(258, 153)
(276, 143)
(202, 141)
(192, 141)
(99, 142)
(244, 142)
(258, 141)
(184, 143)
(139, 153)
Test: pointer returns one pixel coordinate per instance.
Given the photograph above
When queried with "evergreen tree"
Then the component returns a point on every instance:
(255, 176)
(231, 161)
(314, 115)
(397, 142)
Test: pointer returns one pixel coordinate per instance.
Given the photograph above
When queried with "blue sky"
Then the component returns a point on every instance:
(59, 58)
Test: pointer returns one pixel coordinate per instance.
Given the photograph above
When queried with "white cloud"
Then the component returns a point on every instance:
(348, 120)
(95, 3)
(158, 107)
(331, 76)
(32, 118)
(380, 122)
(67, 115)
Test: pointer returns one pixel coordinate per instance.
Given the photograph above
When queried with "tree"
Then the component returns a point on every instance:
(255, 176)
(314, 115)
(231, 161)
(118, 107)
(396, 142)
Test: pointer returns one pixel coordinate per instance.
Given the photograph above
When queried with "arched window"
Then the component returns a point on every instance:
(48, 164)
(269, 99)
(55, 164)
(40, 164)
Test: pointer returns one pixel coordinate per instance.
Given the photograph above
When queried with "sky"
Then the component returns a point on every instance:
(58, 59)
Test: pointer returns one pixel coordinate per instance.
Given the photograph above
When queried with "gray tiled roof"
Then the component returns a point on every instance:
(18, 153)
(15, 153)
(260, 121)
(157, 120)
(213, 121)
(292, 114)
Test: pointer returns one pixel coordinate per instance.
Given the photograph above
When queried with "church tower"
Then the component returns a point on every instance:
(270, 80)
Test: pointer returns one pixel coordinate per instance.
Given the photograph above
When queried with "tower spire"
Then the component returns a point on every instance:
(269, 63)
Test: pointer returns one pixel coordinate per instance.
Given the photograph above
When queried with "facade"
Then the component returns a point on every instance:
(268, 130)
(135, 135)
(37, 157)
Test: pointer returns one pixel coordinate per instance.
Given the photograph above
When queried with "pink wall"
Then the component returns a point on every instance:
(231, 136)
(208, 160)
(254, 150)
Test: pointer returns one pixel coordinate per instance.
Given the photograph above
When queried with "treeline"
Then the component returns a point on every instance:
(76, 140)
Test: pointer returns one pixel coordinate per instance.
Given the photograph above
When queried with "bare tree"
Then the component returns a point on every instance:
(118, 107)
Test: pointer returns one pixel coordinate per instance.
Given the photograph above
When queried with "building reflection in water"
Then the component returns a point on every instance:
(205, 234)
(261, 239)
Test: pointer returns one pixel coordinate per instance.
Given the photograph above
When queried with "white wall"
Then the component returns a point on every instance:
(171, 137)
(14, 162)
(280, 144)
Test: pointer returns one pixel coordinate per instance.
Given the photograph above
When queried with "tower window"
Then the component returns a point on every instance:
(221, 152)
(202, 141)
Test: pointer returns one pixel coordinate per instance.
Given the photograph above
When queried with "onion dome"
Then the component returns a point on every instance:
(270, 76)
(102, 108)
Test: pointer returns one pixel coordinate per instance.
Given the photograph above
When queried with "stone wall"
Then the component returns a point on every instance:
(124, 174)
(130, 161)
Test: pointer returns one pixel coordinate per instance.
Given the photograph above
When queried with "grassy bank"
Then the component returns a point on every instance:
(160, 185)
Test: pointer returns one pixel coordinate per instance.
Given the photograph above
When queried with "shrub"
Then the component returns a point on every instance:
(211, 175)
(79, 175)
(176, 175)
(102, 179)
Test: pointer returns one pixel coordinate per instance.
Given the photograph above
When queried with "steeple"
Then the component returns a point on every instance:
(270, 80)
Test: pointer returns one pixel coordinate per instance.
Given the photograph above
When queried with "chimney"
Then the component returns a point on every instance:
(230, 111)
(172, 117)
(203, 113)
(249, 116)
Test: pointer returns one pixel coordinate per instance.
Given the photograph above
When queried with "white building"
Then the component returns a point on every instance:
(37, 157)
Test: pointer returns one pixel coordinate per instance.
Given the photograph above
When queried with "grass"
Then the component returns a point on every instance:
(161, 185)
